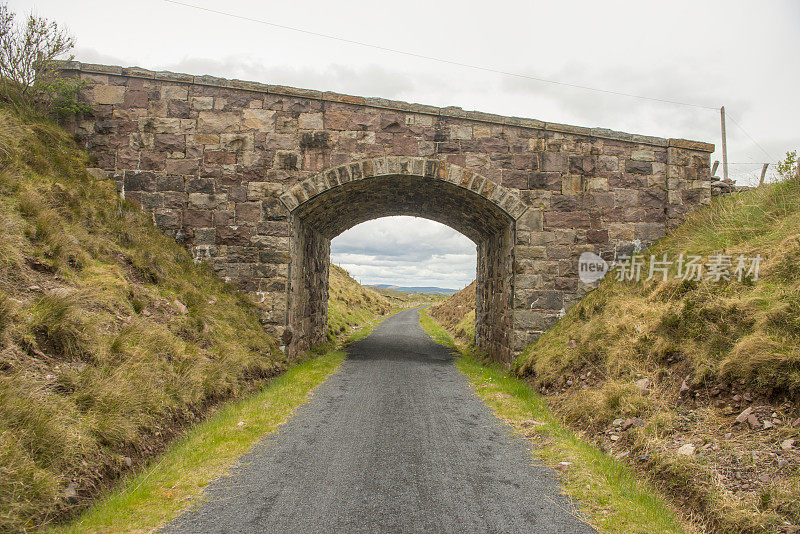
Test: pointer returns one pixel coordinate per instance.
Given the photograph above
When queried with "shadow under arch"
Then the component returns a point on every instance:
(325, 205)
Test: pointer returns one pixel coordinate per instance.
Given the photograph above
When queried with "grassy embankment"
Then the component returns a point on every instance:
(111, 339)
(647, 369)
(457, 314)
(606, 494)
(351, 305)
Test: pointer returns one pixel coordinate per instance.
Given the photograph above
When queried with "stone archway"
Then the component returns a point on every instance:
(325, 205)
(209, 158)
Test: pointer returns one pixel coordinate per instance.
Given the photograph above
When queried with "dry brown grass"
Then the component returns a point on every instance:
(98, 367)
(351, 305)
(457, 314)
(708, 350)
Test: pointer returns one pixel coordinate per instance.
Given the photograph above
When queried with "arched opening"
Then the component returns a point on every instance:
(324, 206)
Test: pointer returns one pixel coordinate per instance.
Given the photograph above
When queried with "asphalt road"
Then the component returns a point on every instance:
(395, 441)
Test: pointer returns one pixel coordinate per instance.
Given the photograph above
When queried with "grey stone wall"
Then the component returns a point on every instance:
(231, 168)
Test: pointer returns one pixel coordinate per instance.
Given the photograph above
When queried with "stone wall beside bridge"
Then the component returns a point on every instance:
(257, 179)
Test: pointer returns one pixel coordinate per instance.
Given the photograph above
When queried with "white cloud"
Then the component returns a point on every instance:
(406, 251)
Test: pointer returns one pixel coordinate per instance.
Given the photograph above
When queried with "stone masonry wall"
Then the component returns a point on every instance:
(210, 159)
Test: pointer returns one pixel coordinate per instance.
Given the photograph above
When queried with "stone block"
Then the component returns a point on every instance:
(204, 236)
(200, 185)
(582, 165)
(218, 122)
(652, 198)
(263, 190)
(649, 232)
(135, 99)
(310, 121)
(566, 219)
(531, 252)
(531, 220)
(178, 108)
(273, 228)
(233, 235)
(219, 157)
(638, 167)
(167, 219)
(460, 131)
(601, 201)
(108, 94)
(545, 180)
(572, 184)
(197, 218)
(646, 154)
(174, 92)
(184, 166)
(236, 142)
(175, 199)
(597, 237)
(564, 202)
(553, 162)
(202, 103)
(204, 201)
(160, 125)
(530, 320)
(545, 300)
(627, 181)
(516, 179)
(595, 183)
(248, 212)
(607, 163)
(626, 198)
(170, 143)
(262, 120)
(274, 256)
(139, 181)
(169, 183)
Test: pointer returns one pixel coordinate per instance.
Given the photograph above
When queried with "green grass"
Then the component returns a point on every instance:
(435, 330)
(607, 494)
(158, 493)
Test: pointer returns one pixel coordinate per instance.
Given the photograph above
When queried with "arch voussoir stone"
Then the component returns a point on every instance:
(500, 196)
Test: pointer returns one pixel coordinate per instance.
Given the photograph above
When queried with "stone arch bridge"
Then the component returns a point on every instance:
(257, 179)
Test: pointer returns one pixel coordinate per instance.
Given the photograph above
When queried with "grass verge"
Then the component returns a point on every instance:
(610, 496)
(160, 492)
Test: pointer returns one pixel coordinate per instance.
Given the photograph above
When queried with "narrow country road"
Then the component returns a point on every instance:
(395, 441)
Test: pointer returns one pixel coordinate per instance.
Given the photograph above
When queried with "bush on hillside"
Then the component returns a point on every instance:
(28, 78)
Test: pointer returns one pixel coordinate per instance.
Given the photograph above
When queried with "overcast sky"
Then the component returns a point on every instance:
(743, 55)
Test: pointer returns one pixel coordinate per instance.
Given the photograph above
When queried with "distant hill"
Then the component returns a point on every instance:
(407, 289)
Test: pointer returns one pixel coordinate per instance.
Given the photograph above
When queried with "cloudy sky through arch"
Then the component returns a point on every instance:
(406, 251)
